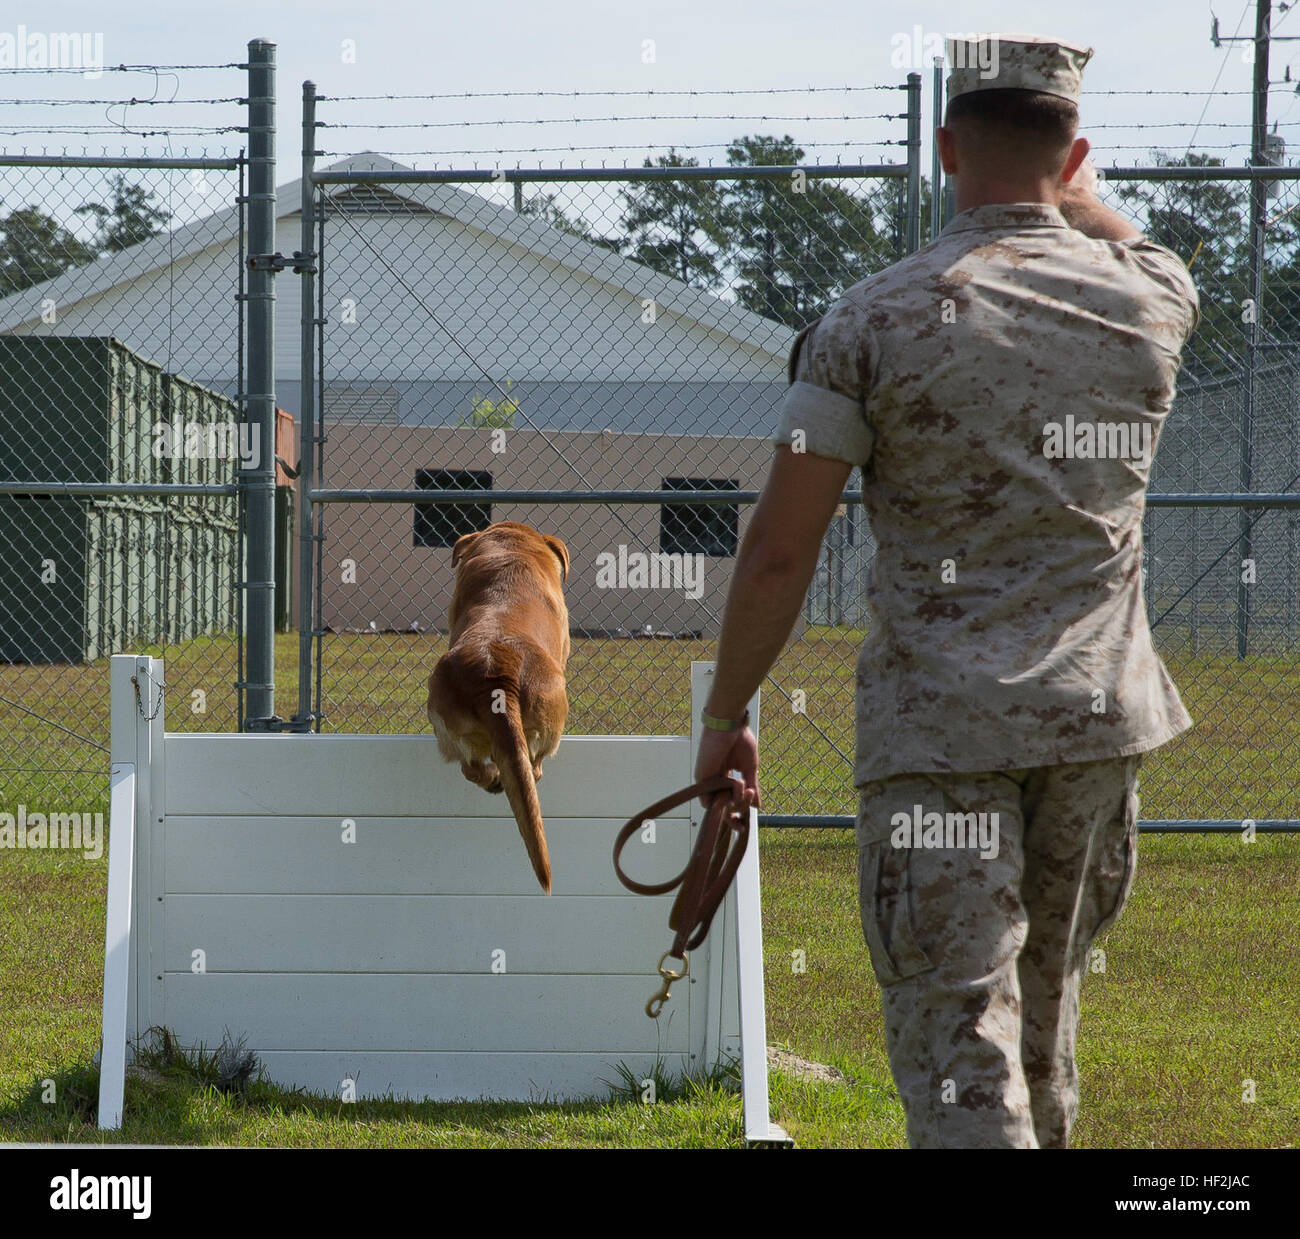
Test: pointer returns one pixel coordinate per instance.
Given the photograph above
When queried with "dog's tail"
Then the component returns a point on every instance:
(510, 752)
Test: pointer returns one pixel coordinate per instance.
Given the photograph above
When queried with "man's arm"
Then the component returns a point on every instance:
(773, 569)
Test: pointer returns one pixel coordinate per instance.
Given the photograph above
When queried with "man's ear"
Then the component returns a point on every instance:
(1079, 149)
(947, 150)
(561, 553)
(463, 543)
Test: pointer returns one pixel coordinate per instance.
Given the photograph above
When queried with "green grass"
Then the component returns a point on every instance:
(1236, 762)
(1198, 995)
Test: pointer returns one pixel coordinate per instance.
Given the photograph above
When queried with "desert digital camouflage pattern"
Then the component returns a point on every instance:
(980, 959)
(1007, 621)
(1016, 62)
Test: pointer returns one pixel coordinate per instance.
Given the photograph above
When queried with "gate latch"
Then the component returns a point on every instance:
(301, 264)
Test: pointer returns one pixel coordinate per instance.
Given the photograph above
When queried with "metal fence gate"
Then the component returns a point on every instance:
(596, 353)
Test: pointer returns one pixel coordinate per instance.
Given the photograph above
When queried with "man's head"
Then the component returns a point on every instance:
(1010, 133)
(1012, 116)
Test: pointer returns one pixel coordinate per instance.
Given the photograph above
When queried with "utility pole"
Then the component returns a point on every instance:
(1258, 207)
(1255, 254)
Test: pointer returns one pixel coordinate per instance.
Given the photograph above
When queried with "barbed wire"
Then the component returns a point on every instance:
(1279, 88)
(647, 147)
(1176, 124)
(589, 94)
(1100, 94)
(122, 68)
(1201, 146)
(191, 131)
(132, 102)
(587, 120)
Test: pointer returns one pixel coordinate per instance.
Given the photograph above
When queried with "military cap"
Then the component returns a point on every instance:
(1016, 62)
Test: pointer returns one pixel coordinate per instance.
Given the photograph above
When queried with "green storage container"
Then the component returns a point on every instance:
(42, 586)
(206, 428)
(80, 579)
(76, 409)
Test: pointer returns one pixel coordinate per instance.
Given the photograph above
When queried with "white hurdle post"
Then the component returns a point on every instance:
(131, 747)
(737, 959)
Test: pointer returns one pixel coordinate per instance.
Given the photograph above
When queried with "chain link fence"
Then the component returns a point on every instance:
(577, 333)
(503, 333)
(1222, 583)
(120, 375)
(554, 343)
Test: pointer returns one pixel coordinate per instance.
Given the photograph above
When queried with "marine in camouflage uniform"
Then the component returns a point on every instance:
(1009, 667)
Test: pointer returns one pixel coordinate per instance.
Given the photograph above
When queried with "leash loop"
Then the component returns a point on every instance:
(719, 848)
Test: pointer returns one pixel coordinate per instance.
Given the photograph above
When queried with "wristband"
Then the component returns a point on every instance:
(723, 724)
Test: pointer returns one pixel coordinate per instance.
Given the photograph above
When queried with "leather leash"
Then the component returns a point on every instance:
(719, 849)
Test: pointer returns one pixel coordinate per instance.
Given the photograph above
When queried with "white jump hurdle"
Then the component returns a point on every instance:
(370, 921)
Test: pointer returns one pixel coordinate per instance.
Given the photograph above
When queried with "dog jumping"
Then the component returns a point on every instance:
(497, 697)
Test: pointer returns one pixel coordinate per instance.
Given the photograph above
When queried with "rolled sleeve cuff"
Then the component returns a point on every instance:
(832, 425)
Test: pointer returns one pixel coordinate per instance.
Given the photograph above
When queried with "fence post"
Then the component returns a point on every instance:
(307, 417)
(912, 233)
(259, 482)
(936, 169)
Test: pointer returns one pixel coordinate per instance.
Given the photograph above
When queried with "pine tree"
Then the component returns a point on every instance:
(673, 225)
(36, 247)
(130, 219)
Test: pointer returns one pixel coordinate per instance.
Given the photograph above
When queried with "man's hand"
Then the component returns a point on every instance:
(1084, 210)
(721, 751)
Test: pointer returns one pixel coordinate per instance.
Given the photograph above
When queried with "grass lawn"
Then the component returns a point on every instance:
(1197, 1000)
(1238, 760)
(1198, 997)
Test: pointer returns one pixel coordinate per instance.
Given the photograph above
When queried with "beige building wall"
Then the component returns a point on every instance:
(375, 578)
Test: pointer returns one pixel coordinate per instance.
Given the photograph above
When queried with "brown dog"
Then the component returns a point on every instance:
(497, 699)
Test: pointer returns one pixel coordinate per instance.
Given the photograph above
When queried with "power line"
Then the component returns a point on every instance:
(1223, 64)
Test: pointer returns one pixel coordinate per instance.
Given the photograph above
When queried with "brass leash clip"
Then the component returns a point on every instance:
(660, 996)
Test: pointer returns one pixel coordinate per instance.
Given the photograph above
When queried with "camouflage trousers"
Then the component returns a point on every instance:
(981, 895)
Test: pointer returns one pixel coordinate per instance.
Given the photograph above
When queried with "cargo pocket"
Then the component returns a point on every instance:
(888, 914)
(1130, 811)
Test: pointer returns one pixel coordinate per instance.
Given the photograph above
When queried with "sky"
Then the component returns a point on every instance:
(402, 47)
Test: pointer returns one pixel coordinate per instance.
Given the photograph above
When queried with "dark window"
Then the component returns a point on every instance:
(699, 528)
(440, 524)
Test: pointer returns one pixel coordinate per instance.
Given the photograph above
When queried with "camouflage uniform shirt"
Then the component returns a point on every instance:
(1003, 390)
